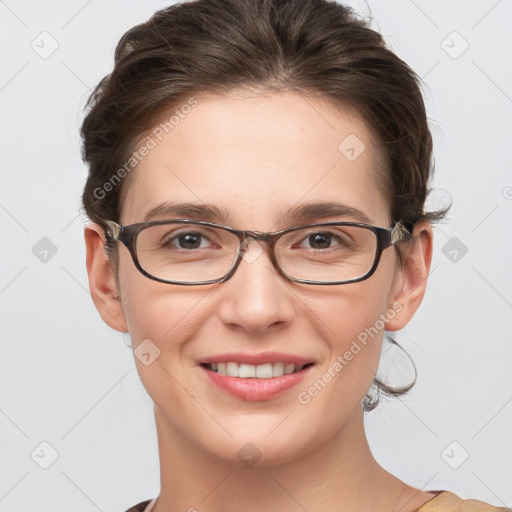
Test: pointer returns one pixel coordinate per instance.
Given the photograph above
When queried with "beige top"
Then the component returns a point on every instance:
(445, 501)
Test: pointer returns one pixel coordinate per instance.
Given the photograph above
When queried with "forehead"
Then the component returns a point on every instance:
(255, 156)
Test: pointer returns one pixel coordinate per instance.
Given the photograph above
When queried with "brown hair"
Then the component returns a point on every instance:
(216, 46)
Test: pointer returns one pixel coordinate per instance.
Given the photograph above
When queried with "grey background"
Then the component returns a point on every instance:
(70, 382)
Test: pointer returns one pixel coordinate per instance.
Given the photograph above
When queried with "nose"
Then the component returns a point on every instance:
(256, 297)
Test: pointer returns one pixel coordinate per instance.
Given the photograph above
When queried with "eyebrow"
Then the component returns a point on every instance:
(305, 212)
(197, 211)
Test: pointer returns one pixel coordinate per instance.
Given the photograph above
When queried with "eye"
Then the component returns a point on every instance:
(188, 240)
(322, 240)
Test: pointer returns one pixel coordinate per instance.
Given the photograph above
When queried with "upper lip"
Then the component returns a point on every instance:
(257, 359)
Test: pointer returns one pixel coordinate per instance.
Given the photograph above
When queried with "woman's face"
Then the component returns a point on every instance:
(254, 158)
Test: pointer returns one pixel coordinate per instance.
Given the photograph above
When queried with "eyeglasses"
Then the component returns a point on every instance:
(192, 252)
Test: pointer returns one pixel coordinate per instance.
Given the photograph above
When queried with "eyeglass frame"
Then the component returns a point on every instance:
(127, 235)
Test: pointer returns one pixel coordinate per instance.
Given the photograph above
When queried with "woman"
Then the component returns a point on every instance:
(258, 171)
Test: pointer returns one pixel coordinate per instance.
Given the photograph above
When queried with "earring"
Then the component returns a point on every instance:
(116, 295)
(127, 340)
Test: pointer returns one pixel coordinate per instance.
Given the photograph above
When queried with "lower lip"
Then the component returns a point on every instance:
(253, 388)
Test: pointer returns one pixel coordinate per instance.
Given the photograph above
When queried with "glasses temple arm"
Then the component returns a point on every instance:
(113, 230)
(399, 233)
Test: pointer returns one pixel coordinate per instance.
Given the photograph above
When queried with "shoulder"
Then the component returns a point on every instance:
(480, 506)
(447, 501)
(140, 507)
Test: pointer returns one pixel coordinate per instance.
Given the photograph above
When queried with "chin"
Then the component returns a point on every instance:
(257, 452)
(264, 441)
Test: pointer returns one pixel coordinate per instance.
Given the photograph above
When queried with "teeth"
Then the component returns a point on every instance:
(262, 371)
(277, 369)
(289, 369)
(232, 369)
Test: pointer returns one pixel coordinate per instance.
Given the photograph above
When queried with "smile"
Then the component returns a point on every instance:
(256, 376)
(246, 371)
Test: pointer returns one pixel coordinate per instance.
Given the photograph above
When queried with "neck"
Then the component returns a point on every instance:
(340, 474)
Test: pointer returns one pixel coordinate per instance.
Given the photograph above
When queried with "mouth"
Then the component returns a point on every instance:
(248, 371)
(260, 377)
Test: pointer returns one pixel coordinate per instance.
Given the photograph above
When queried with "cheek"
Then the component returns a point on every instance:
(351, 314)
(162, 323)
(164, 314)
(355, 341)
(351, 321)
(161, 320)
(166, 317)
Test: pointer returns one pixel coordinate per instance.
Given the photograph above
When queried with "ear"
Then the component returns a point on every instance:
(411, 279)
(102, 281)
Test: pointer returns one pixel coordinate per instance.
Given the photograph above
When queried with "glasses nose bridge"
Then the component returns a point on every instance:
(259, 236)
